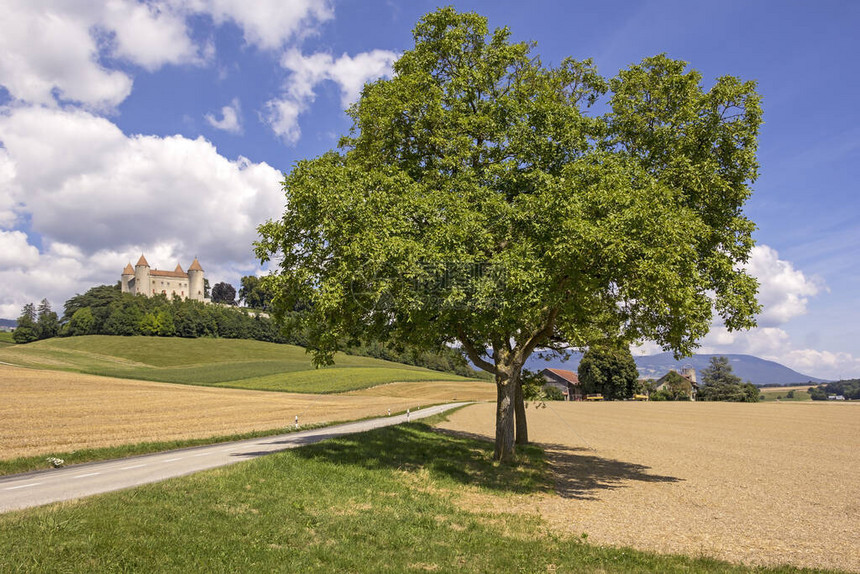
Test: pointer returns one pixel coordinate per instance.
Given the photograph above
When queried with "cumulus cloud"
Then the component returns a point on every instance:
(48, 47)
(55, 50)
(16, 252)
(149, 35)
(783, 290)
(307, 72)
(784, 293)
(229, 121)
(94, 194)
(267, 24)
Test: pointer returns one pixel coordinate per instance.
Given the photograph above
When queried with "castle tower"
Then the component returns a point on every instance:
(142, 280)
(127, 275)
(195, 281)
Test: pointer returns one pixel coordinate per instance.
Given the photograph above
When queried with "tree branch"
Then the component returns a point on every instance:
(541, 334)
(474, 355)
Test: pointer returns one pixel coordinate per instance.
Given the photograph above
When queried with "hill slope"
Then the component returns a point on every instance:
(747, 367)
(212, 362)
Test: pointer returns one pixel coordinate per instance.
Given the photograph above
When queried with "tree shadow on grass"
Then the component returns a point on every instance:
(463, 459)
(468, 459)
(580, 473)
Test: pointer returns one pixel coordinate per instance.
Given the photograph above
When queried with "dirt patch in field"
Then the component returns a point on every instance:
(43, 412)
(761, 484)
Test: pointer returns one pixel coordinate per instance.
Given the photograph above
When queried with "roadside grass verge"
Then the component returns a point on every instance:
(389, 500)
(32, 463)
(82, 456)
(337, 379)
(239, 363)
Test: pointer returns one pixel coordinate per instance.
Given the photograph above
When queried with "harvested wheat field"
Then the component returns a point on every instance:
(51, 411)
(432, 391)
(759, 484)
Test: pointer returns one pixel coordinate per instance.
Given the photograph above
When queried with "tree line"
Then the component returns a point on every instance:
(610, 371)
(105, 310)
(850, 389)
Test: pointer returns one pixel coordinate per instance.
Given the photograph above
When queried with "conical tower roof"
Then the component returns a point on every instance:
(195, 266)
(129, 270)
(142, 260)
(178, 269)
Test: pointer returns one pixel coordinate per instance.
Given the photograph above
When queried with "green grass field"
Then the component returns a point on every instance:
(212, 362)
(774, 393)
(6, 339)
(389, 500)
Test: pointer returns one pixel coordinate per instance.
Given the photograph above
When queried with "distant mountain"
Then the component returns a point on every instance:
(747, 367)
(8, 323)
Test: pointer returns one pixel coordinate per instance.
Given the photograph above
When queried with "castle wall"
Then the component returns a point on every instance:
(169, 286)
(142, 280)
(149, 282)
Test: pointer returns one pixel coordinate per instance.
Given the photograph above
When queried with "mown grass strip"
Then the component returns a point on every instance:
(252, 365)
(338, 380)
(390, 500)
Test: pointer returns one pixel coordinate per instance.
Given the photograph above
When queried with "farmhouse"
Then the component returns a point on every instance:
(565, 381)
(142, 280)
(685, 382)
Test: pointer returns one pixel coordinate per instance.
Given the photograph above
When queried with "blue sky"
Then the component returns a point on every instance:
(163, 128)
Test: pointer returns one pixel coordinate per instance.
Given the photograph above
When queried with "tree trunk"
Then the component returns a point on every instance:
(505, 395)
(520, 412)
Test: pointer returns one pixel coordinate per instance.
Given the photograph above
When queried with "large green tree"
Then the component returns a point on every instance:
(26, 329)
(609, 370)
(720, 383)
(481, 200)
(255, 293)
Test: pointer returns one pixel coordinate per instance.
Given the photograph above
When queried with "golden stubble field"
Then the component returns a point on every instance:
(44, 412)
(769, 483)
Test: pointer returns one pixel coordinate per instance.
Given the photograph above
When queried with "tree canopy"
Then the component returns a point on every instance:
(481, 200)
(720, 383)
(608, 370)
(224, 293)
(254, 292)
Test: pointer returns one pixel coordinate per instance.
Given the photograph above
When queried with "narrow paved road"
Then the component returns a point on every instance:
(43, 487)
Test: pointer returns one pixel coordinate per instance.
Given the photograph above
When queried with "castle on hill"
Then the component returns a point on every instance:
(142, 280)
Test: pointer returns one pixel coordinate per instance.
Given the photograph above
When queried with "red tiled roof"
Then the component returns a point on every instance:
(142, 260)
(195, 266)
(568, 376)
(129, 270)
(158, 273)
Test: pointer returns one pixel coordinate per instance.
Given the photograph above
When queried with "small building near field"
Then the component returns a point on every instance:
(683, 382)
(565, 381)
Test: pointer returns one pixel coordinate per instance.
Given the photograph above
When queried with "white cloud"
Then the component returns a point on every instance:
(307, 72)
(149, 35)
(784, 293)
(9, 190)
(783, 290)
(832, 365)
(16, 252)
(283, 117)
(229, 121)
(268, 24)
(48, 46)
(53, 49)
(98, 198)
